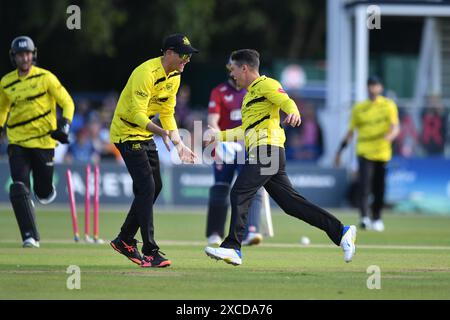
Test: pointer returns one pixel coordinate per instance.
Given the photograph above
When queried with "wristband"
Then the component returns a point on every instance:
(343, 145)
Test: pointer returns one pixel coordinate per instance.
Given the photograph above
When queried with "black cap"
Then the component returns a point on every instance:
(178, 43)
(373, 80)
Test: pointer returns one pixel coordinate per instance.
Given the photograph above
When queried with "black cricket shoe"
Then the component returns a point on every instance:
(129, 250)
(155, 260)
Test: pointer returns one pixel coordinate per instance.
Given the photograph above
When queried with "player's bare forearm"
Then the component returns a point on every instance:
(175, 137)
(348, 137)
(152, 127)
(213, 121)
(212, 135)
(393, 133)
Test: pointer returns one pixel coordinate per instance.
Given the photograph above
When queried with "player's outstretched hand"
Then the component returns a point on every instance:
(211, 136)
(186, 155)
(293, 120)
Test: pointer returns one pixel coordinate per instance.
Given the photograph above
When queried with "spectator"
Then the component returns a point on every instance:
(109, 103)
(293, 146)
(3, 146)
(108, 150)
(81, 115)
(82, 150)
(406, 144)
(94, 127)
(183, 108)
(433, 127)
(307, 145)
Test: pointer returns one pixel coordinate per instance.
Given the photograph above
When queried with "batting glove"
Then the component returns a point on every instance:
(62, 133)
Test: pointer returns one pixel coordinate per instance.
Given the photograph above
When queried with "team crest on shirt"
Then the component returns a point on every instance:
(136, 146)
(212, 104)
(169, 86)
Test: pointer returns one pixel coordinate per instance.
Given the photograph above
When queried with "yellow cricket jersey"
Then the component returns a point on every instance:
(148, 92)
(261, 115)
(373, 120)
(31, 102)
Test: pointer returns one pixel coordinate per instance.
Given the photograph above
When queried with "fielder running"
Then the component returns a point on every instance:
(265, 166)
(29, 95)
(224, 112)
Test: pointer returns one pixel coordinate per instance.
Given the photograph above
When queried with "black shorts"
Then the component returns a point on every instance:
(39, 162)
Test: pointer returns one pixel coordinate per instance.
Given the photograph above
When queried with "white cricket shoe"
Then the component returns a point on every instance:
(30, 243)
(378, 225)
(252, 239)
(348, 242)
(230, 256)
(366, 223)
(214, 240)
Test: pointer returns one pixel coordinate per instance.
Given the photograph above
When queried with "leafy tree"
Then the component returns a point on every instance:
(116, 35)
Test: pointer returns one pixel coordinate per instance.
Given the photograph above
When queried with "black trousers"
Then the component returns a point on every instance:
(266, 167)
(39, 162)
(141, 159)
(371, 182)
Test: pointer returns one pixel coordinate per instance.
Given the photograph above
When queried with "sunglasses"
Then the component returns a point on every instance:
(185, 56)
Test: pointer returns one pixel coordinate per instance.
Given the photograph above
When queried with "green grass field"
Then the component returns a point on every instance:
(413, 255)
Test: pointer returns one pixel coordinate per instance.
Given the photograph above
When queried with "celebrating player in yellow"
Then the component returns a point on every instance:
(29, 95)
(265, 166)
(150, 90)
(376, 121)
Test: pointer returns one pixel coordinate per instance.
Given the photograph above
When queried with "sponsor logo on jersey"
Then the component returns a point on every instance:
(236, 115)
(228, 97)
(141, 94)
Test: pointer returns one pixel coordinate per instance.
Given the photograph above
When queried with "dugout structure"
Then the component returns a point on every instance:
(348, 54)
